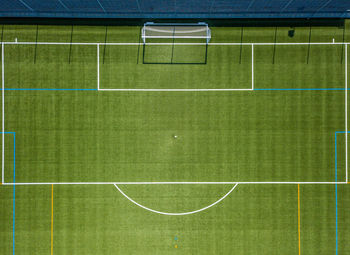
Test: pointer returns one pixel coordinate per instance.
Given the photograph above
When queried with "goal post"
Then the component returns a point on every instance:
(153, 30)
(175, 43)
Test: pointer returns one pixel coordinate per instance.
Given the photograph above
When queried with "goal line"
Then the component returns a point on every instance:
(136, 44)
(163, 183)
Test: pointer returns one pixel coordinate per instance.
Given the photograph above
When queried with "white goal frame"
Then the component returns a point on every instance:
(173, 31)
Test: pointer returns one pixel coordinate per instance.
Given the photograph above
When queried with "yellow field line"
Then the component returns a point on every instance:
(52, 219)
(299, 217)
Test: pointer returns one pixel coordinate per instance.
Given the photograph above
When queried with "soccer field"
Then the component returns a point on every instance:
(110, 146)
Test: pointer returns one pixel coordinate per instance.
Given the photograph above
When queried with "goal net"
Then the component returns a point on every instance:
(166, 43)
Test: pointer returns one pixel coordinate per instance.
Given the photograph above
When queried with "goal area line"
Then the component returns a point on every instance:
(178, 90)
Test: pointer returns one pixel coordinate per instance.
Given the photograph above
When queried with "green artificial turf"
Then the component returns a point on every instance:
(265, 135)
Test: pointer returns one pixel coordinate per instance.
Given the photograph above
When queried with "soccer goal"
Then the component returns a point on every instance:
(175, 43)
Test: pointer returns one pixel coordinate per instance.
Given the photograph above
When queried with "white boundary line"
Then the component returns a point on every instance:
(176, 214)
(125, 183)
(3, 113)
(252, 66)
(175, 89)
(141, 43)
(98, 67)
(164, 183)
(346, 112)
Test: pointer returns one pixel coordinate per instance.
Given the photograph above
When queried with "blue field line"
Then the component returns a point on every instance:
(336, 217)
(336, 194)
(304, 89)
(50, 89)
(14, 190)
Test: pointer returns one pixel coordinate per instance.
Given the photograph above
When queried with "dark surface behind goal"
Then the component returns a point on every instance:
(180, 9)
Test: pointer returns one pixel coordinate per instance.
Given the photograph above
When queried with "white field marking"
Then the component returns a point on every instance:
(252, 66)
(159, 183)
(141, 43)
(3, 113)
(75, 43)
(176, 214)
(98, 67)
(174, 89)
(346, 113)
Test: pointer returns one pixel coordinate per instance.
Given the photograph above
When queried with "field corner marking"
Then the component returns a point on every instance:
(176, 214)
